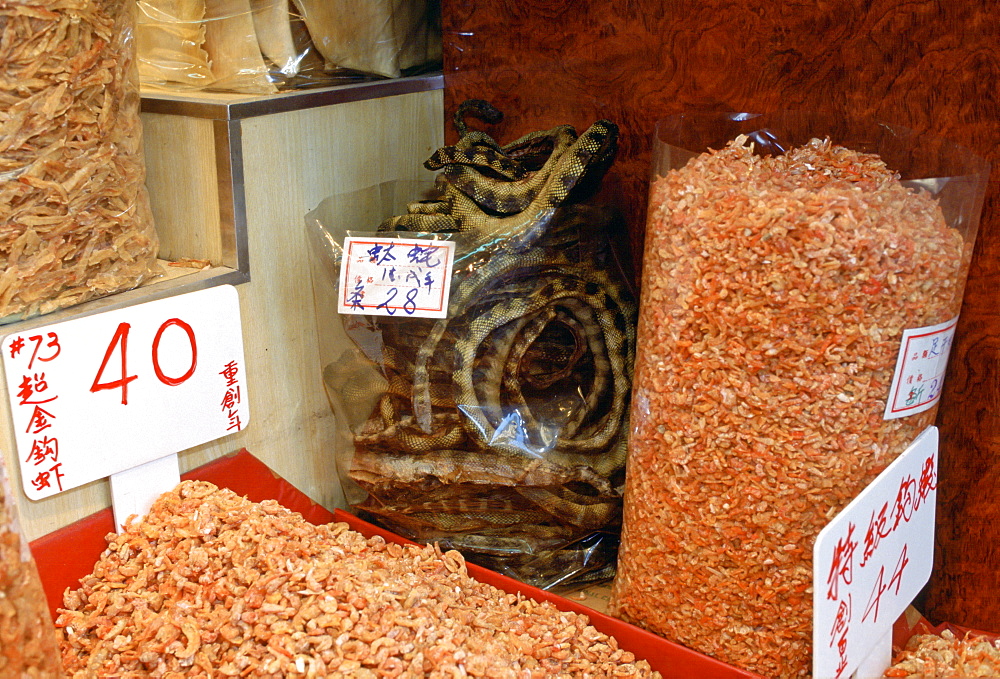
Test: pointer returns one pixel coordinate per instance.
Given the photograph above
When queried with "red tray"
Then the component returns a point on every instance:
(70, 553)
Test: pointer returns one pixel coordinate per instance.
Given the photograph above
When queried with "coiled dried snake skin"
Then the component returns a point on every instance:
(462, 418)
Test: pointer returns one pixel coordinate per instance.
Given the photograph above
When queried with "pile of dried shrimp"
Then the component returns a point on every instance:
(947, 656)
(211, 584)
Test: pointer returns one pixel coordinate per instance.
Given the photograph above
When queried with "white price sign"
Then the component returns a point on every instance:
(395, 276)
(872, 559)
(94, 396)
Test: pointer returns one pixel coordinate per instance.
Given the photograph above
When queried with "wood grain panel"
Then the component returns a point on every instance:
(930, 65)
(188, 170)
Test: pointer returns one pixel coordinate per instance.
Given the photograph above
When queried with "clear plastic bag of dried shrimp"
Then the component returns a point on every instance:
(28, 642)
(496, 427)
(785, 256)
(75, 222)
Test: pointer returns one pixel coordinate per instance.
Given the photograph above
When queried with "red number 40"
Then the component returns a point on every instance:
(120, 341)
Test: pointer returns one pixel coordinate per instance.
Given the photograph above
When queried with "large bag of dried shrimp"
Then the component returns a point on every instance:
(785, 256)
(75, 222)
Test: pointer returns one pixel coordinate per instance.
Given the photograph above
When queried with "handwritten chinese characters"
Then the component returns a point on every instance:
(34, 393)
(232, 399)
(920, 369)
(395, 276)
(873, 558)
(97, 395)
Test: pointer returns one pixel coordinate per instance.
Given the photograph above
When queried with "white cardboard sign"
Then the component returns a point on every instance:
(395, 276)
(872, 559)
(97, 395)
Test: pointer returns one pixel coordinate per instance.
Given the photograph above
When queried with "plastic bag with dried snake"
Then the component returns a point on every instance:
(500, 429)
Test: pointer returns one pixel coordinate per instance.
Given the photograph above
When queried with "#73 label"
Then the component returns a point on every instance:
(93, 396)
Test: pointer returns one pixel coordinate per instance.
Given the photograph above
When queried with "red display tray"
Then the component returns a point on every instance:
(70, 553)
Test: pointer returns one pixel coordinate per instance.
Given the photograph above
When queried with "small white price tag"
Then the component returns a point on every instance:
(872, 559)
(94, 396)
(395, 276)
(920, 368)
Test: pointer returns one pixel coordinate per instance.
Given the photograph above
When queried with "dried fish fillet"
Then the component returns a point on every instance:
(170, 39)
(232, 45)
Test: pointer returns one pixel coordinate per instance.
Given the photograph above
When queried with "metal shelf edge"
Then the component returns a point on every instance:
(157, 288)
(219, 106)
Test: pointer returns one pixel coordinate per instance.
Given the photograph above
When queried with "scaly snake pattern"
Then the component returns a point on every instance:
(500, 430)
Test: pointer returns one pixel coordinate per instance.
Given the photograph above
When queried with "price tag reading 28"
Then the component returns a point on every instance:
(94, 396)
(395, 277)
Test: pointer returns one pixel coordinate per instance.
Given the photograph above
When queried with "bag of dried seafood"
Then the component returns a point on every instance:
(75, 222)
(28, 645)
(266, 46)
(496, 427)
(785, 257)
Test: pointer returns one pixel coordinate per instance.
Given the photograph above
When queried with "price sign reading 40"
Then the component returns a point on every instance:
(94, 396)
(120, 343)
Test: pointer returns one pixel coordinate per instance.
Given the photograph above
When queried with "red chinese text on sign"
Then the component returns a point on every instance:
(872, 559)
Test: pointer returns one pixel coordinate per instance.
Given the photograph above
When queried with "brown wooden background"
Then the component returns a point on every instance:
(931, 65)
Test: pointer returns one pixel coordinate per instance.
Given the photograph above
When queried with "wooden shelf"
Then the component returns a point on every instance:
(230, 179)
